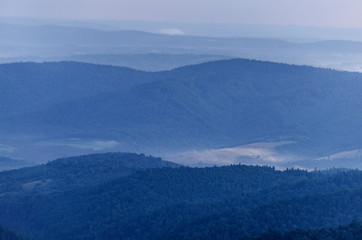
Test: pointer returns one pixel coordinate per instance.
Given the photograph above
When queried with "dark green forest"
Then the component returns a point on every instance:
(164, 202)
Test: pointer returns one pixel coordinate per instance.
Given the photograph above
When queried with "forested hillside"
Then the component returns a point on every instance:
(29, 87)
(210, 105)
(187, 203)
(75, 172)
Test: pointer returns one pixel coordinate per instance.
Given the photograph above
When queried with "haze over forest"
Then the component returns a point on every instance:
(184, 120)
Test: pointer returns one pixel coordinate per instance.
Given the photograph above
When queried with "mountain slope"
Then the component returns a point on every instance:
(27, 87)
(210, 105)
(232, 101)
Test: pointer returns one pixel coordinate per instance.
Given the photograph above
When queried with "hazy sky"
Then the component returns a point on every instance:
(334, 13)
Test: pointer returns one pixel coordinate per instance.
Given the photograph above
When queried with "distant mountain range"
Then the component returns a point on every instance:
(131, 196)
(41, 42)
(224, 30)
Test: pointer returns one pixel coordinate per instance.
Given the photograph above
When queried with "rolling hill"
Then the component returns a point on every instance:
(210, 105)
(75, 172)
(180, 203)
(351, 231)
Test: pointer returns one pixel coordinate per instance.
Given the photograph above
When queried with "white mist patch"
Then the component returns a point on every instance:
(6, 148)
(95, 145)
(171, 31)
(257, 153)
(356, 153)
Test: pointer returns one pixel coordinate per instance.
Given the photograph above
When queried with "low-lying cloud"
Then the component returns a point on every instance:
(172, 31)
(92, 144)
(6, 148)
(262, 153)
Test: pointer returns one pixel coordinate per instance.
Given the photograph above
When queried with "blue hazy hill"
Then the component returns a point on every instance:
(76, 172)
(23, 41)
(214, 104)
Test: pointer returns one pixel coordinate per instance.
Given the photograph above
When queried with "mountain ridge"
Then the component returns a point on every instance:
(210, 105)
(61, 42)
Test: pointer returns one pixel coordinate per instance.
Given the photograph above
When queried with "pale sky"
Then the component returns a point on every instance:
(331, 13)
